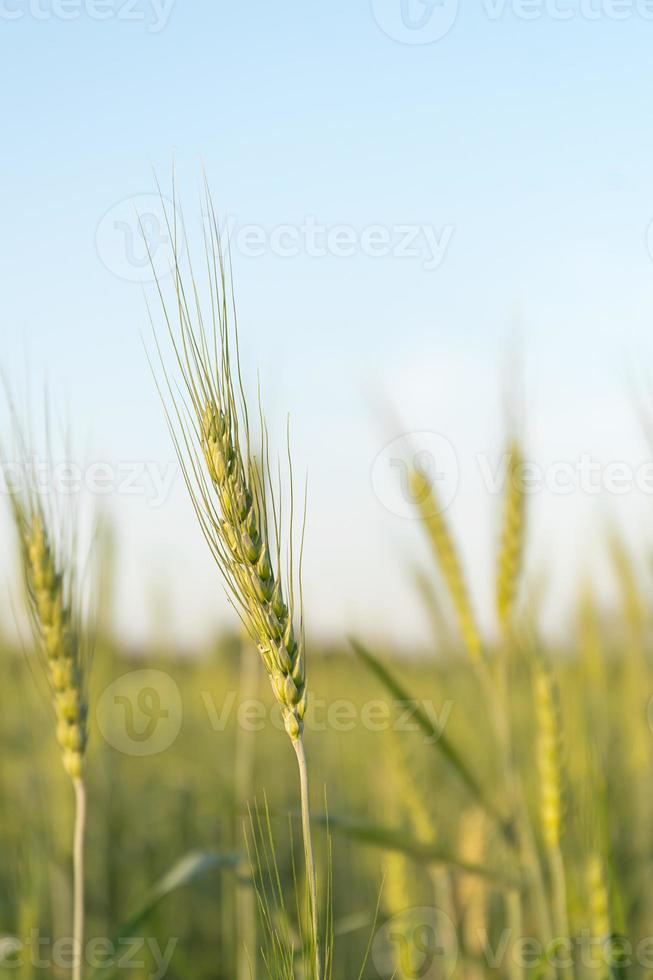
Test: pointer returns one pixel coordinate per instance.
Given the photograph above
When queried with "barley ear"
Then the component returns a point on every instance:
(242, 529)
(237, 503)
(51, 610)
(443, 547)
(550, 785)
(599, 913)
(51, 595)
(548, 755)
(509, 559)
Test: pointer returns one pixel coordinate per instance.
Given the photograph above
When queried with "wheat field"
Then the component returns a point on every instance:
(480, 806)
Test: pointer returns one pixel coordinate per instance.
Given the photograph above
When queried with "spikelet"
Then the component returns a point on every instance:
(636, 672)
(397, 893)
(246, 563)
(509, 559)
(409, 793)
(548, 756)
(51, 611)
(599, 909)
(424, 495)
(235, 499)
(406, 805)
(472, 890)
(232, 489)
(599, 903)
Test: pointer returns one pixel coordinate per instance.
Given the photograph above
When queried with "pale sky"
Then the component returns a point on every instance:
(412, 191)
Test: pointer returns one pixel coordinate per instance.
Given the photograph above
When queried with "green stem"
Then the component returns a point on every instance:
(245, 904)
(78, 878)
(308, 850)
(559, 888)
(516, 926)
(529, 859)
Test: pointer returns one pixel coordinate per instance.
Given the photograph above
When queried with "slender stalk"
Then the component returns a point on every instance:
(559, 888)
(245, 924)
(497, 694)
(516, 925)
(78, 878)
(300, 752)
(529, 858)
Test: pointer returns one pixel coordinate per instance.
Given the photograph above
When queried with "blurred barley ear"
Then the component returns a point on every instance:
(472, 890)
(599, 909)
(244, 763)
(53, 606)
(237, 501)
(446, 555)
(550, 787)
(637, 673)
(509, 559)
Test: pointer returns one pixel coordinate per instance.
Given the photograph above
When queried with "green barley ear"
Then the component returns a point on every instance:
(425, 497)
(50, 591)
(236, 500)
(232, 489)
(47, 549)
(598, 900)
(509, 560)
(243, 535)
(548, 755)
(550, 785)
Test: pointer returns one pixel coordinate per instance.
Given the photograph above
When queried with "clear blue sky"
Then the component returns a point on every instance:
(525, 146)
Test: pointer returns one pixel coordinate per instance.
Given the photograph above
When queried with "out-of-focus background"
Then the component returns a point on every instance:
(413, 191)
